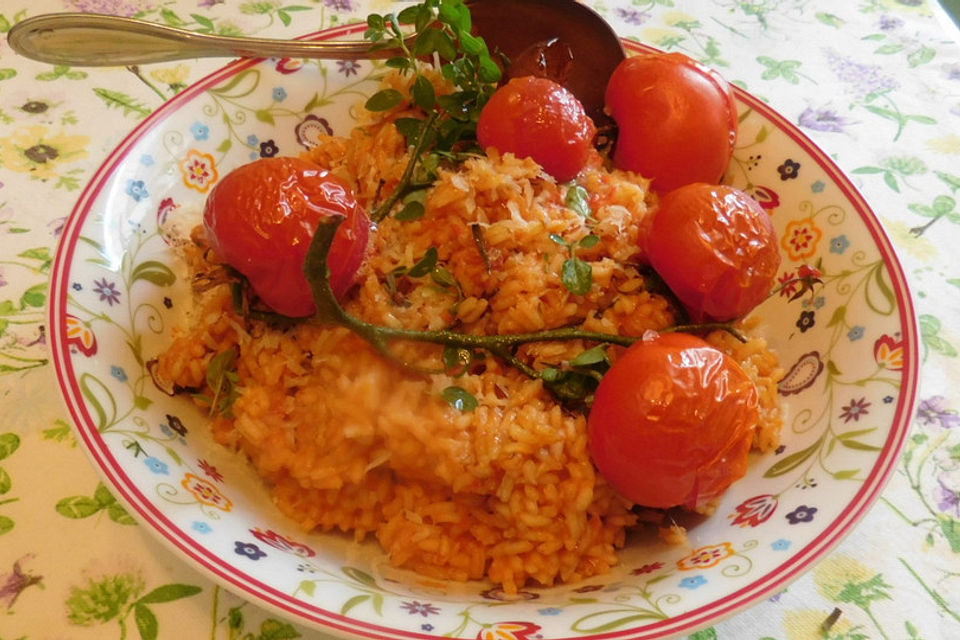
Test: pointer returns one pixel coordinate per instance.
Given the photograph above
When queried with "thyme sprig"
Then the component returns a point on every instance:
(441, 30)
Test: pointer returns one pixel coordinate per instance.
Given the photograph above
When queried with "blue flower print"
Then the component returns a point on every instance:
(253, 140)
(780, 545)
(201, 527)
(200, 131)
(137, 190)
(839, 244)
(157, 466)
(426, 627)
(279, 94)
(693, 582)
(818, 186)
(76, 286)
(856, 333)
(147, 160)
(248, 549)
(550, 611)
(118, 373)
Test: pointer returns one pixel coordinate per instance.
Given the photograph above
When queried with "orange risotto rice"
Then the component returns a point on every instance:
(351, 441)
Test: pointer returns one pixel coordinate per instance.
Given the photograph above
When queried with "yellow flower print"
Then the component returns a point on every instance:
(807, 624)
(706, 557)
(206, 492)
(801, 238)
(662, 37)
(834, 575)
(907, 6)
(675, 18)
(199, 170)
(35, 151)
(173, 77)
(947, 144)
(918, 246)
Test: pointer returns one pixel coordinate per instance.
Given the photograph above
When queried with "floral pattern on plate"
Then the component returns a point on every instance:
(842, 323)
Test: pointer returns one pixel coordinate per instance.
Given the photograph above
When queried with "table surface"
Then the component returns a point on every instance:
(876, 83)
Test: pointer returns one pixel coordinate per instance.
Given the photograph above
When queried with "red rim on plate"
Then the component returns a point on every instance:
(286, 604)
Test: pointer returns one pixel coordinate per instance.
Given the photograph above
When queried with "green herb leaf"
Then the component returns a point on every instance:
(384, 100)
(423, 93)
(398, 62)
(412, 210)
(596, 355)
(460, 398)
(588, 241)
(222, 380)
(456, 360)
(409, 128)
(570, 386)
(578, 200)
(444, 278)
(424, 265)
(577, 276)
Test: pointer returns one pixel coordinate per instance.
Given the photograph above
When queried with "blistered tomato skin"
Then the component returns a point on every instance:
(261, 217)
(672, 422)
(539, 119)
(715, 247)
(676, 119)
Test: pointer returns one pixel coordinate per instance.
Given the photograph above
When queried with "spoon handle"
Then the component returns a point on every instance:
(96, 40)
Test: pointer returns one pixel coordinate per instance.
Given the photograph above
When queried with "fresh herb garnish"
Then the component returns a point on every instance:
(576, 274)
(457, 360)
(577, 381)
(503, 346)
(460, 398)
(441, 29)
(223, 380)
(577, 199)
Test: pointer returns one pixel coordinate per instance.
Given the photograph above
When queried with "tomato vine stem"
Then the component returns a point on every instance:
(330, 313)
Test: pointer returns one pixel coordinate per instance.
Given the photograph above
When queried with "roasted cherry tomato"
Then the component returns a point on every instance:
(676, 119)
(537, 118)
(672, 422)
(715, 247)
(261, 217)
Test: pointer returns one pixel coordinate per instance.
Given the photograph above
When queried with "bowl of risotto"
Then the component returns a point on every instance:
(425, 489)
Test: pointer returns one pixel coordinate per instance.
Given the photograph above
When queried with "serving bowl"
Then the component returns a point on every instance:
(849, 349)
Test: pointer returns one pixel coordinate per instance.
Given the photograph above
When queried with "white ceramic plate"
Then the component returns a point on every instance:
(851, 351)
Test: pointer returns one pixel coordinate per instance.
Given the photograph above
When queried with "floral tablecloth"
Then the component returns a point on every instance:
(876, 83)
